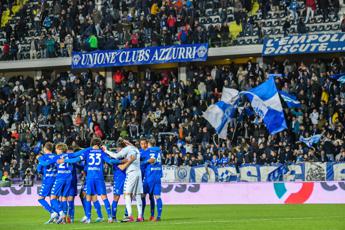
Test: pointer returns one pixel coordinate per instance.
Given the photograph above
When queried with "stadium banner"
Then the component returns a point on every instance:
(141, 56)
(307, 171)
(304, 43)
(174, 174)
(227, 174)
(315, 171)
(336, 171)
(168, 173)
(250, 173)
(182, 174)
(203, 174)
(215, 193)
(296, 172)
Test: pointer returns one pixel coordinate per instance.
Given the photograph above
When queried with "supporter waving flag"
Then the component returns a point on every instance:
(290, 100)
(337, 76)
(266, 104)
(220, 113)
(309, 141)
(342, 79)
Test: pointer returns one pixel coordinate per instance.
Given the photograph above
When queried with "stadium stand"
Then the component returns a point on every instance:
(39, 29)
(156, 104)
(75, 107)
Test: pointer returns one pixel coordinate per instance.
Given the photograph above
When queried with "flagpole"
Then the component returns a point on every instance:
(233, 134)
(237, 121)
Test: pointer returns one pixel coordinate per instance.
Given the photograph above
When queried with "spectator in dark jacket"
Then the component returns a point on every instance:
(301, 28)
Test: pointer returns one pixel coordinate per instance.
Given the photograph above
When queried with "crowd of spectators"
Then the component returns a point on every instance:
(56, 27)
(74, 107)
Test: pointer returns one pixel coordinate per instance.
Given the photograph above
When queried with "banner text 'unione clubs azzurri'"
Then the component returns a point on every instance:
(304, 43)
(141, 56)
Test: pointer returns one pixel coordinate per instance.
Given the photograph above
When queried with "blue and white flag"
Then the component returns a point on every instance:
(266, 104)
(274, 75)
(337, 76)
(342, 80)
(220, 113)
(37, 147)
(278, 173)
(291, 100)
(309, 141)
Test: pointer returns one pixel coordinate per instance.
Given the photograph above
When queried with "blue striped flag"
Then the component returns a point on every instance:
(220, 113)
(309, 141)
(290, 100)
(266, 104)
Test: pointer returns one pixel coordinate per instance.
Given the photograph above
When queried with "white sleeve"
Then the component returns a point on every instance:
(110, 153)
(118, 155)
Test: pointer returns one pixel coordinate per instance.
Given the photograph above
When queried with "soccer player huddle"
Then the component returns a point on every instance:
(137, 173)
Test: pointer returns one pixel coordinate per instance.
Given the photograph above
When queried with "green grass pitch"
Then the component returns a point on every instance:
(210, 217)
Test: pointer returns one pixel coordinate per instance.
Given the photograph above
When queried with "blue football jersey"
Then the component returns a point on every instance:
(224, 160)
(154, 171)
(49, 171)
(118, 173)
(94, 160)
(64, 170)
(144, 157)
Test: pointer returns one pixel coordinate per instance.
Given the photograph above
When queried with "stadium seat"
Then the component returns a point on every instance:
(230, 18)
(241, 42)
(320, 28)
(328, 27)
(209, 12)
(268, 23)
(277, 31)
(336, 27)
(216, 19)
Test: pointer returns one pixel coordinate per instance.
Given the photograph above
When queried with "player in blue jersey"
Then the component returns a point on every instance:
(144, 161)
(63, 185)
(94, 199)
(95, 184)
(119, 172)
(153, 176)
(49, 174)
(74, 189)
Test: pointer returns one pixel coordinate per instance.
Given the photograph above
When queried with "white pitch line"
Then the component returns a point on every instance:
(222, 221)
